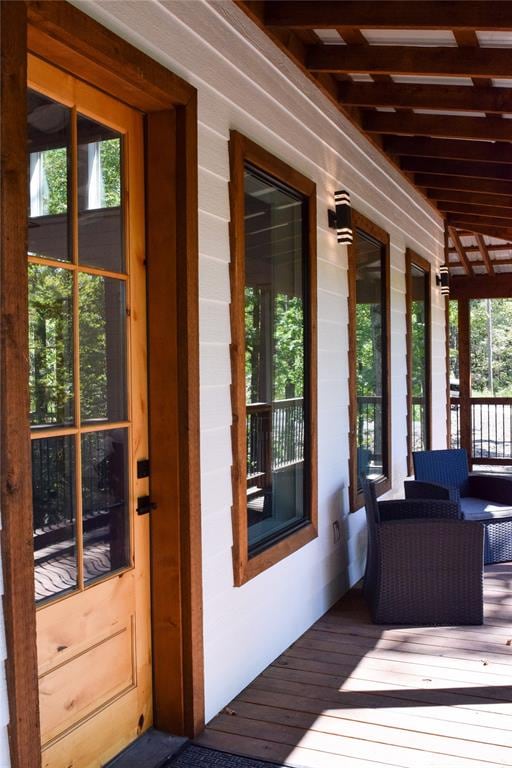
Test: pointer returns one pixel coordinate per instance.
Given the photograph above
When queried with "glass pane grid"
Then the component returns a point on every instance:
(78, 342)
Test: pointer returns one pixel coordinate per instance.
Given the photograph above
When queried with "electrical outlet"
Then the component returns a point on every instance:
(336, 533)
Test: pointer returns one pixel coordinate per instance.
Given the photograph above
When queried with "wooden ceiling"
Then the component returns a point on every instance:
(430, 84)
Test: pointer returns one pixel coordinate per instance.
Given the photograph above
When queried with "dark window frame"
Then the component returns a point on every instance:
(370, 230)
(243, 152)
(414, 259)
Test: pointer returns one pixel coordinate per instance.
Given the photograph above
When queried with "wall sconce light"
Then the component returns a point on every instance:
(443, 280)
(341, 218)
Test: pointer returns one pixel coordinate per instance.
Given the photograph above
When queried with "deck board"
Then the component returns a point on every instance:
(349, 694)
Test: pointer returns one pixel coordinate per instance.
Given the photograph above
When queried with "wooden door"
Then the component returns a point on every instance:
(88, 411)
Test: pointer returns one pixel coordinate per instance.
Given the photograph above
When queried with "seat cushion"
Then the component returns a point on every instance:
(481, 509)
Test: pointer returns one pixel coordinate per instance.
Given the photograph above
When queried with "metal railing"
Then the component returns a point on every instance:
(275, 438)
(369, 426)
(419, 437)
(491, 428)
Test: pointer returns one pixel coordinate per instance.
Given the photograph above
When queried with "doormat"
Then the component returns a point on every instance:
(193, 756)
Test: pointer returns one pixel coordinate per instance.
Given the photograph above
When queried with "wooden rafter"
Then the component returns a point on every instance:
(477, 170)
(485, 254)
(409, 60)
(392, 14)
(461, 163)
(491, 247)
(488, 129)
(450, 149)
(472, 226)
(481, 263)
(501, 215)
(471, 198)
(461, 183)
(454, 237)
(419, 96)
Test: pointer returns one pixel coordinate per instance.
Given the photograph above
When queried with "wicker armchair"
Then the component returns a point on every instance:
(424, 564)
(487, 498)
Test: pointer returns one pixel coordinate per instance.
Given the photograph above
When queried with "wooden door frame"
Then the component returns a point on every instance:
(68, 38)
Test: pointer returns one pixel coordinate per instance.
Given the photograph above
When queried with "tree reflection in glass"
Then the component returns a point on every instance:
(370, 361)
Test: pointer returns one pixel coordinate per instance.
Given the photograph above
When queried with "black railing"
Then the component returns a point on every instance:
(491, 428)
(418, 421)
(275, 438)
(369, 429)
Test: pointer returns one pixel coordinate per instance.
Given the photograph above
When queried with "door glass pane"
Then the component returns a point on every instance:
(50, 346)
(53, 489)
(275, 290)
(419, 287)
(102, 349)
(106, 530)
(48, 167)
(370, 358)
(100, 205)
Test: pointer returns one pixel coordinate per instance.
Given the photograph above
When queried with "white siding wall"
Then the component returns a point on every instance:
(245, 83)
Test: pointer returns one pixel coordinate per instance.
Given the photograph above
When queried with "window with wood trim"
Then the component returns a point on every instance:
(369, 361)
(418, 355)
(273, 325)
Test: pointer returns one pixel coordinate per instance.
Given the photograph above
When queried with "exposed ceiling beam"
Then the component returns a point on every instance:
(472, 198)
(410, 60)
(491, 248)
(500, 214)
(480, 263)
(461, 183)
(394, 14)
(485, 254)
(453, 149)
(418, 96)
(457, 168)
(481, 286)
(488, 128)
(454, 237)
(470, 224)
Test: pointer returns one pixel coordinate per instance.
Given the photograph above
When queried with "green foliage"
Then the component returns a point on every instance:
(491, 347)
(50, 345)
(110, 154)
(287, 317)
(55, 163)
(369, 349)
(288, 347)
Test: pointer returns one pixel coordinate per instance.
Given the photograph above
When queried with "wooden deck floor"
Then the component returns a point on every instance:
(349, 694)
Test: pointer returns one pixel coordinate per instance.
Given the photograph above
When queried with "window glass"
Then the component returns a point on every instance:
(53, 493)
(419, 345)
(106, 532)
(102, 348)
(275, 369)
(371, 373)
(48, 172)
(50, 299)
(100, 212)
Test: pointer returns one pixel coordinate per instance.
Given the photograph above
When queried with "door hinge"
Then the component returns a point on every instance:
(145, 505)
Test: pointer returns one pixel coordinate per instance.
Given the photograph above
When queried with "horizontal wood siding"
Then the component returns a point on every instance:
(247, 84)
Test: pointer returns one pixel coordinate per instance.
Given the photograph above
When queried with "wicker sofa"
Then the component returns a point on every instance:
(424, 563)
(487, 498)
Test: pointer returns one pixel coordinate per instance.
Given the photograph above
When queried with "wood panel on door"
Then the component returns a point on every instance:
(88, 411)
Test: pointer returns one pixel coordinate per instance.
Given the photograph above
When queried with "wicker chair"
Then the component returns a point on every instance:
(487, 498)
(424, 564)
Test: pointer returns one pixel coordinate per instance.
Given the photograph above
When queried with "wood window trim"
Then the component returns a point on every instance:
(241, 150)
(361, 222)
(73, 41)
(414, 259)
